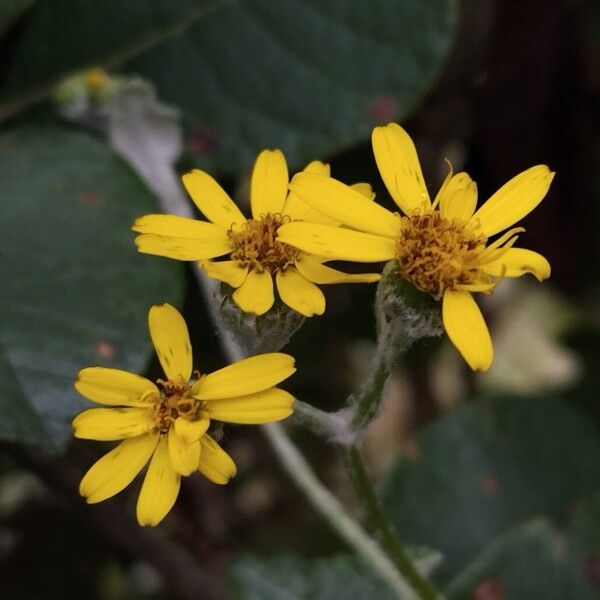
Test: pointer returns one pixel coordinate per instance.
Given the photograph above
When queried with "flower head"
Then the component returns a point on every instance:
(443, 247)
(255, 258)
(166, 422)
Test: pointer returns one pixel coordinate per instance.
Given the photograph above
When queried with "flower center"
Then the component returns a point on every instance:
(437, 254)
(254, 244)
(175, 401)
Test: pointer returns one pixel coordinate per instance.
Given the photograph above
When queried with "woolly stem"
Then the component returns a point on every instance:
(362, 484)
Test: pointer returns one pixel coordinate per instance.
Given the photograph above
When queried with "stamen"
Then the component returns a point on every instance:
(437, 254)
(256, 247)
(175, 402)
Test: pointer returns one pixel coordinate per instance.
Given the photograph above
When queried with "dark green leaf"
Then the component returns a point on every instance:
(310, 76)
(532, 562)
(63, 36)
(75, 292)
(10, 11)
(487, 467)
(289, 578)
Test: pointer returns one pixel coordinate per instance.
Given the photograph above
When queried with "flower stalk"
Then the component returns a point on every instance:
(362, 484)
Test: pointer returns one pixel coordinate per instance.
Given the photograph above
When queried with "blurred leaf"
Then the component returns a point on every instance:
(20, 422)
(75, 291)
(487, 467)
(10, 11)
(310, 77)
(63, 36)
(533, 561)
(289, 578)
(294, 578)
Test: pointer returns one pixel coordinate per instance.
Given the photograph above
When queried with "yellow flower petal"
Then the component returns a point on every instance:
(252, 409)
(316, 166)
(211, 199)
(115, 387)
(300, 294)
(184, 456)
(519, 261)
(364, 189)
(336, 243)
(246, 376)
(398, 163)
(191, 431)
(459, 198)
(106, 424)
(215, 463)
(171, 341)
(314, 270)
(182, 248)
(513, 200)
(255, 295)
(269, 183)
(467, 330)
(229, 271)
(344, 204)
(117, 469)
(160, 488)
(298, 210)
(178, 227)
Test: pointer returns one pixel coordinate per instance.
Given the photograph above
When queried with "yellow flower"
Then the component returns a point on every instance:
(255, 256)
(166, 423)
(442, 247)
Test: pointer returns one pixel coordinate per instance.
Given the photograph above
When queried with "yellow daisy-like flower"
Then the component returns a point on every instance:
(255, 255)
(443, 247)
(166, 423)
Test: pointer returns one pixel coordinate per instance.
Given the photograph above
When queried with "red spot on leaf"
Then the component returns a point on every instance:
(105, 350)
(382, 108)
(92, 198)
(205, 140)
(592, 570)
(490, 485)
(490, 589)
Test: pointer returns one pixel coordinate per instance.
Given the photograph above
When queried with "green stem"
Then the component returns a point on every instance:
(422, 587)
(367, 400)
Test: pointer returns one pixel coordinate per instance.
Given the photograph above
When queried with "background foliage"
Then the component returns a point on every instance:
(503, 485)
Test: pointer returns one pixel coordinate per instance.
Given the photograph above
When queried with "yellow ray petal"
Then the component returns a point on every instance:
(115, 387)
(513, 200)
(314, 270)
(211, 199)
(183, 248)
(117, 469)
(316, 166)
(191, 431)
(215, 463)
(298, 293)
(160, 488)
(106, 424)
(298, 210)
(467, 330)
(459, 198)
(269, 183)
(519, 261)
(336, 243)
(364, 189)
(246, 376)
(184, 456)
(229, 271)
(344, 204)
(255, 295)
(171, 341)
(178, 227)
(262, 407)
(398, 163)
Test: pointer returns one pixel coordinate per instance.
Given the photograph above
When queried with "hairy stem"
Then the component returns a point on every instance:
(392, 544)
